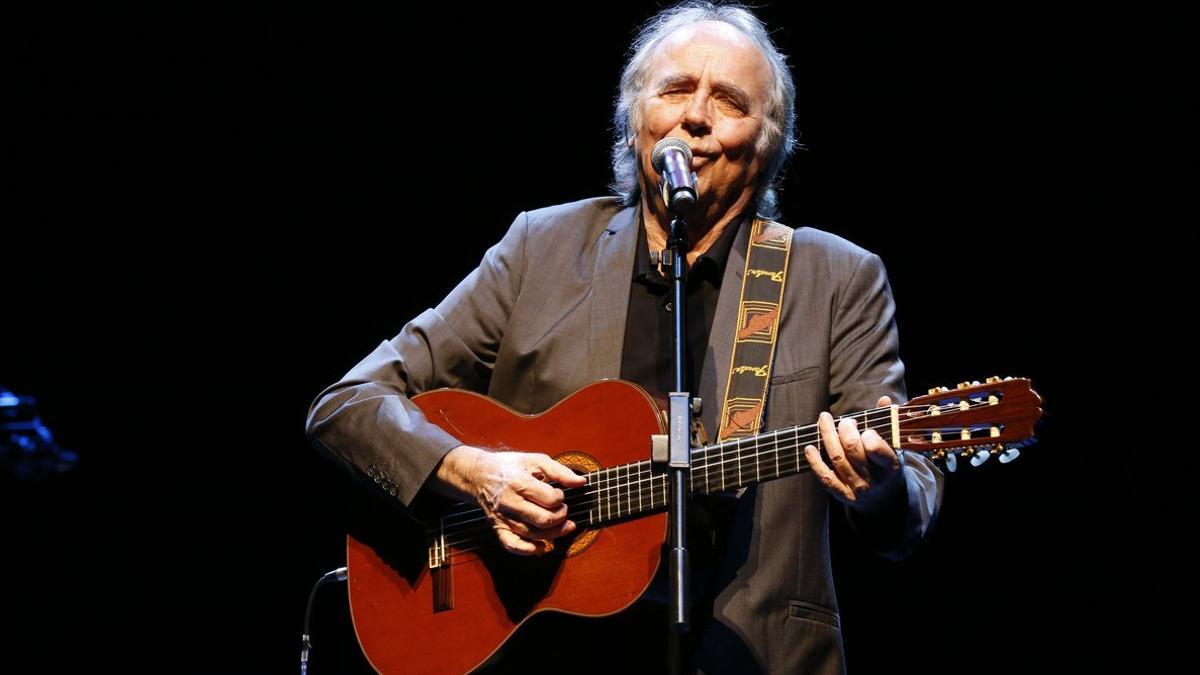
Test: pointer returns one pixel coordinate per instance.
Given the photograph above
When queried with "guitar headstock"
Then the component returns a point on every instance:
(973, 420)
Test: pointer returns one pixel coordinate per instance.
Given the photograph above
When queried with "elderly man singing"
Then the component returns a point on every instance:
(573, 294)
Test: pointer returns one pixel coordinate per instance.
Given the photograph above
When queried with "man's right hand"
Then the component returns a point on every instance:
(513, 491)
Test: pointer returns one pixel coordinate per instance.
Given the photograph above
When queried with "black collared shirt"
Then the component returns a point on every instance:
(647, 357)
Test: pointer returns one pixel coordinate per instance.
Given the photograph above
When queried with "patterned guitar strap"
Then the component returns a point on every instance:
(758, 320)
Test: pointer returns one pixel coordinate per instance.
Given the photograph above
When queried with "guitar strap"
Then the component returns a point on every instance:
(757, 328)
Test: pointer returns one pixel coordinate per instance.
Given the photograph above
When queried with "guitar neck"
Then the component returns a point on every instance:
(640, 488)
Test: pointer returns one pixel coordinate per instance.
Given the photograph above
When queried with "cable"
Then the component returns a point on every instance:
(339, 574)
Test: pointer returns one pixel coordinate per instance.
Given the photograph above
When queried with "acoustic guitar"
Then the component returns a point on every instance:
(451, 583)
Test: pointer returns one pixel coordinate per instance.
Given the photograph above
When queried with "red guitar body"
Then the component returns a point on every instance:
(406, 625)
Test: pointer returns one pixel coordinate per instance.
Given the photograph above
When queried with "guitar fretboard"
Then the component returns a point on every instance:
(630, 490)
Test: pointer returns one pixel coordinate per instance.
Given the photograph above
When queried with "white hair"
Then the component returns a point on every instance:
(776, 140)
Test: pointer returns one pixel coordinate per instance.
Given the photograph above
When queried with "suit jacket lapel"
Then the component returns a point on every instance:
(715, 373)
(610, 294)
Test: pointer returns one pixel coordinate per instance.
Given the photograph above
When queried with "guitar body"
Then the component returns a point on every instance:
(413, 619)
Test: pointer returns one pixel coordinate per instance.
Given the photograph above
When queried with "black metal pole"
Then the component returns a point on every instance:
(680, 448)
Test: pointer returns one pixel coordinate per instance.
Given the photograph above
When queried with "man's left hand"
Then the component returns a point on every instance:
(862, 464)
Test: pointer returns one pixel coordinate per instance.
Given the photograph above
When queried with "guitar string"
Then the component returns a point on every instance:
(611, 474)
(491, 541)
(622, 488)
(704, 454)
(623, 494)
(718, 446)
(872, 415)
(620, 491)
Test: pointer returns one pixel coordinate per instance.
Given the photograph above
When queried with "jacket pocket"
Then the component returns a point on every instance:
(802, 374)
(809, 611)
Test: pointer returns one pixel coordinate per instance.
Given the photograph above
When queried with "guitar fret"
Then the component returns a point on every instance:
(708, 457)
(622, 485)
(639, 487)
(617, 472)
(629, 494)
(623, 488)
(632, 485)
(604, 505)
(799, 448)
(614, 492)
(776, 446)
(602, 494)
(757, 470)
(738, 446)
(613, 487)
(797, 444)
(599, 495)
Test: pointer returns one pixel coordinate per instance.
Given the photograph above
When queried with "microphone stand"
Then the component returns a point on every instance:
(671, 158)
(680, 452)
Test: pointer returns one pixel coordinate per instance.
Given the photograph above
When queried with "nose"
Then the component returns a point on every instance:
(697, 118)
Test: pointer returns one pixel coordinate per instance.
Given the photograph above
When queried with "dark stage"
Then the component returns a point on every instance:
(213, 213)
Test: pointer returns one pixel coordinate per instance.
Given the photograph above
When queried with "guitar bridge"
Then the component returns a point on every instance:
(439, 569)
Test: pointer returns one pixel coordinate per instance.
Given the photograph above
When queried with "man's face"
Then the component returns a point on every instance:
(708, 86)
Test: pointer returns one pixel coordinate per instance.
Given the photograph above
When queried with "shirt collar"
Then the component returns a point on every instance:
(711, 263)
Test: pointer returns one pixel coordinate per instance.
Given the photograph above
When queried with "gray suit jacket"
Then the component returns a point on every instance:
(544, 314)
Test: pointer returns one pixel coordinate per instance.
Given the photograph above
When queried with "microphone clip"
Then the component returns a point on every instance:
(664, 190)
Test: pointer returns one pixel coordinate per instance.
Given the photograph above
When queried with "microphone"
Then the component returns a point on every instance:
(672, 159)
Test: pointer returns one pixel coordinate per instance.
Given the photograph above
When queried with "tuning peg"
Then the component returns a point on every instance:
(935, 390)
(1009, 455)
(951, 462)
(980, 456)
(964, 385)
(994, 379)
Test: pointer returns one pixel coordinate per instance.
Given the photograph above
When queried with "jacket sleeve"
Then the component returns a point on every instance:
(865, 364)
(367, 422)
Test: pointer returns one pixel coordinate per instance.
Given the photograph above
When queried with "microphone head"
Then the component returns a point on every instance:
(661, 148)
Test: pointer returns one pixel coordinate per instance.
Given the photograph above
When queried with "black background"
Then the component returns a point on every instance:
(214, 212)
